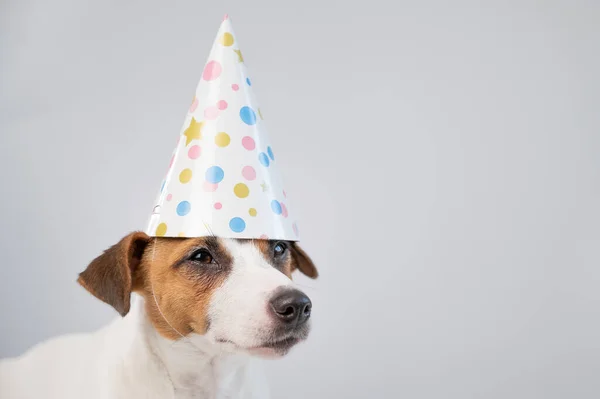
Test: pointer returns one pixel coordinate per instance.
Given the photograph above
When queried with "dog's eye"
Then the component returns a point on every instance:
(279, 249)
(202, 256)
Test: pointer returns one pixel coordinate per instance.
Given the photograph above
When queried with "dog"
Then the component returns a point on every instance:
(198, 315)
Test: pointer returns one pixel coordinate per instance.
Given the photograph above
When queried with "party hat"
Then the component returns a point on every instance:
(223, 178)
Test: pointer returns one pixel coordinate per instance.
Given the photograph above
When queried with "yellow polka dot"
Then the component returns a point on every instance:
(185, 175)
(226, 39)
(181, 234)
(222, 139)
(252, 212)
(260, 114)
(161, 230)
(239, 54)
(241, 190)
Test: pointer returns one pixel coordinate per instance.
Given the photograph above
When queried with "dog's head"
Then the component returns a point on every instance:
(233, 292)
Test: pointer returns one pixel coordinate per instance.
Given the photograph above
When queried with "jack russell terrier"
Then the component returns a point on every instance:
(208, 309)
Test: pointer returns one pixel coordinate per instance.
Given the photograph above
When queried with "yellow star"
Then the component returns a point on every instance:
(239, 54)
(193, 132)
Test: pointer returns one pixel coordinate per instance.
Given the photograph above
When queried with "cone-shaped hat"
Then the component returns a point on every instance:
(223, 178)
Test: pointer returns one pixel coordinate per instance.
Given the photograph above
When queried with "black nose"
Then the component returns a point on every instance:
(291, 307)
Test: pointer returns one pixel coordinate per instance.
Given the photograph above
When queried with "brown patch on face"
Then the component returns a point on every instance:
(182, 287)
(176, 285)
(283, 263)
(293, 259)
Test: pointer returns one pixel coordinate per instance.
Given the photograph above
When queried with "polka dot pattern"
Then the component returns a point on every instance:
(194, 152)
(241, 190)
(183, 208)
(222, 139)
(161, 230)
(249, 173)
(226, 39)
(210, 187)
(248, 143)
(247, 115)
(194, 105)
(239, 55)
(237, 224)
(214, 174)
(222, 178)
(276, 207)
(212, 70)
(185, 176)
(264, 159)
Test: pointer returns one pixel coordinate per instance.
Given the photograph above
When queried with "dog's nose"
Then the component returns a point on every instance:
(291, 306)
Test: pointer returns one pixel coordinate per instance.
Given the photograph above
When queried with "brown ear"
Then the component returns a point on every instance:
(303, 262)
(109, 277)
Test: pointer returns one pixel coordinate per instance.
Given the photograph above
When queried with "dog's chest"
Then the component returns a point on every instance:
(225, 378)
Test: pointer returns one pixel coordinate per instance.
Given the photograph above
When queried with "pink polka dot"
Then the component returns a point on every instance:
(169, 197)
(211, 112)
(172, 159)
(212, 70)
(284, 210)
(218, 205)
(249, 173)
(210, 187)
(235, 87)
(222, 105)
(194, 105)
(295, 228)
(284, 194)
(194, 152)
(264, 237)
(248, 143)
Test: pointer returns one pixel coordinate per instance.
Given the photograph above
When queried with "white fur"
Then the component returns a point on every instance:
(238, 310)
(128, 359)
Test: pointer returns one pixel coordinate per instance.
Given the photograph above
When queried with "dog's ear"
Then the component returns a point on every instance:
(110, 276)
(302, 262)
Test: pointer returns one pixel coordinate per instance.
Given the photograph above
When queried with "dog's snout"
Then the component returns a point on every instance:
(291, 307)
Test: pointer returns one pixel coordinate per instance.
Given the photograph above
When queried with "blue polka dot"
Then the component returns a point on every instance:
(276, 207)
(270, 152)
(237, 225)
(248, 81)
(263, 159)
(183, 208)
(214, 174)
(248, 116)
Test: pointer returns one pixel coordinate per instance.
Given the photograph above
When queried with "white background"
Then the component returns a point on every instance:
(443, 159)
